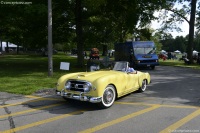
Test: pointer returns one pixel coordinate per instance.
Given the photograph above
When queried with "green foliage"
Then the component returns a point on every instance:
(157, 43)
(180, 43)
(197, 42)
(104, 21)
(171, 44)
(24, 24)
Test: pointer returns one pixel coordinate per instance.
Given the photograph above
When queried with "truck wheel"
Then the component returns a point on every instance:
(152, 67)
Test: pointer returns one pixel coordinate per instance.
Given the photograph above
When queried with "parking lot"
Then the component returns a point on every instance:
(170, 104)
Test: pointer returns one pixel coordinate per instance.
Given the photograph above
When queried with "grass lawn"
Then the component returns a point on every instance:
(178, 64)
(26, 74)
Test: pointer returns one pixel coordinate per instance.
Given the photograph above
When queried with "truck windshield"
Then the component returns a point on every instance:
(144, 50)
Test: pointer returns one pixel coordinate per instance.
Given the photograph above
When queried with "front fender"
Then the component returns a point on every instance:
(143, 76)
(62, 80)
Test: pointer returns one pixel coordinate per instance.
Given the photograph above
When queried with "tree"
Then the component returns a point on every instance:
(180, 15)
(191, 30)
(24, 24)
(179, 43)
(86, 23)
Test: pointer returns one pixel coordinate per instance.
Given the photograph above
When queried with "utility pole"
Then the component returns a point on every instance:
(50, 50)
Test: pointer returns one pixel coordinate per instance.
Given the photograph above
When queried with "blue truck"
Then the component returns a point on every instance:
(137, 53)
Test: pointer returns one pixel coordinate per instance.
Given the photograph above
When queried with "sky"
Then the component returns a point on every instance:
(184, 26)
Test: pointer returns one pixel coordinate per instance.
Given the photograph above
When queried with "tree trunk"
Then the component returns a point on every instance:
(105, 49)
(79, 33)
(50, 54)
(191, 31)
(1, 49)
(17, 49)
(7, 48)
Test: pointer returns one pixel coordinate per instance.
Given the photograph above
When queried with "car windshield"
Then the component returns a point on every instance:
(144, 50)
(120, 66)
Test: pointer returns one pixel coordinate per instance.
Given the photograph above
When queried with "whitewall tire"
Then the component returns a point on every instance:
(108, 97)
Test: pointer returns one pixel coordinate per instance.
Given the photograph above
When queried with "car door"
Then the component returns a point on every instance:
(132, 82)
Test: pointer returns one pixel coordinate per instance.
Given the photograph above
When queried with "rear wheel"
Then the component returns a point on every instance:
(144, 86)
(65, 98)
(108, 97)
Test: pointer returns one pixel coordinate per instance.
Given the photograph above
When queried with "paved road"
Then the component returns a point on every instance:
(171, 104)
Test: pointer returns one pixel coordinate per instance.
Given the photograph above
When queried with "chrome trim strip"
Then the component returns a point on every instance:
(79, 97)
(79, 80)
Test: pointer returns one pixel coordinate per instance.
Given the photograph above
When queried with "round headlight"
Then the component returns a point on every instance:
(68, 85)
(86, 87)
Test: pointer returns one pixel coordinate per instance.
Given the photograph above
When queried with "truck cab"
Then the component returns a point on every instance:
(137, 53)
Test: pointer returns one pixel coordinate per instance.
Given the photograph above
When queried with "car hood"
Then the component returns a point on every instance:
(91, 76)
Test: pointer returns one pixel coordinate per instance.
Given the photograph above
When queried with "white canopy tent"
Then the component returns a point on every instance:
(10, 45)
(177, 51)
(163, 51)
(195, 51)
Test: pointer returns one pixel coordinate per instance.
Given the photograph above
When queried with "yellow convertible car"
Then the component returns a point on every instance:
(102, 87)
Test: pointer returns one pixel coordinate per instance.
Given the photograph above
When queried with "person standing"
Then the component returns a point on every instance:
(85, 54)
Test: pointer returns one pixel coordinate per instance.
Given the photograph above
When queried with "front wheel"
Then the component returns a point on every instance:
(108, 97)
(144, 86)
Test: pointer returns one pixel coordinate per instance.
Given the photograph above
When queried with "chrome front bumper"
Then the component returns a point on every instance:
(79, 97)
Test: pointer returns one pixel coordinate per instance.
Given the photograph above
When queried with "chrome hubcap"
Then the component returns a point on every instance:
(144, 85)
(108, 96)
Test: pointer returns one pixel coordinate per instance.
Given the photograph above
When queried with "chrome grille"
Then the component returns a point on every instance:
(77, 85)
